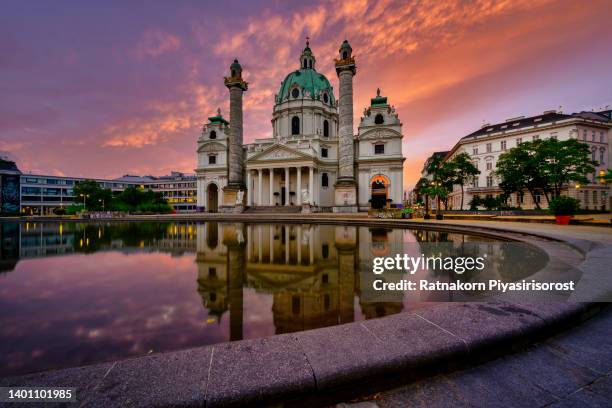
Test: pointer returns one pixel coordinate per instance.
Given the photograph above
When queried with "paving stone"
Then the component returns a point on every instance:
(490, 386)
(341, 354)
(243, 372)
(84, 379)
(156, 380)
(553, 312)
(599, 394)
(415, 340)
(434, 392)
(547, 370)
(589, 345)
(483, 324)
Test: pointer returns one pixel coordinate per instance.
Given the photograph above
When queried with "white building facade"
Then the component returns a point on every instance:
(298, 166)
(486, 144)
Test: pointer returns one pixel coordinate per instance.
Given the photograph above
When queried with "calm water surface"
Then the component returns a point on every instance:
(74, 294)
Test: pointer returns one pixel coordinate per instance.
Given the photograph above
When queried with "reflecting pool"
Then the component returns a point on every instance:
(78, 293)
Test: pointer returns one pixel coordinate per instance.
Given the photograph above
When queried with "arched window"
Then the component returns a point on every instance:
(213, 134)
(295, 125)
(344, 55)
(324, 180)
(325, 128)
(233, 73)
(295, 92)
(305, 64)
(378, 119)
(325, 98)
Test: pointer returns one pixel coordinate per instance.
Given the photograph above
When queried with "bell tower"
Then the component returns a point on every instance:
(345, 197)
(234, 192)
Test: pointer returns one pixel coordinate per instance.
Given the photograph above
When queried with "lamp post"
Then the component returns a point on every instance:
(84, 197)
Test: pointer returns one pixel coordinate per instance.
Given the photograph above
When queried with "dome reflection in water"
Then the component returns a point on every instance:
(80, 293)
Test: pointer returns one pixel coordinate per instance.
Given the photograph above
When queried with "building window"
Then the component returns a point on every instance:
(519, 140)
(213, 134)
(488, 147)
(601, 137)
(379, 149)
(489, 166)
(521, 197)
(212, 159)
(295, 93)
(601, 155)
(595, 197)
(344, 55)
(584, 135)
(323, 152)
(325, 251)
(489, 181)
(324, 180)
(503, 145)
(535, 137)
(475, 150)
(325, 127)
(475, 182)
(295, 125)
(325, 98)
(538, 198)
(593, 153)
(378, 119)
(593, 136)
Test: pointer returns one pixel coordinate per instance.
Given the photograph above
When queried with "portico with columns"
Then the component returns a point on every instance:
(281, 182)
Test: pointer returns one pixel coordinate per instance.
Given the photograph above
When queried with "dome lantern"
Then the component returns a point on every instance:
(307, 59)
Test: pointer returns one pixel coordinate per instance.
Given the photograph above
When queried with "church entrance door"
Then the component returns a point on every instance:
(380, 193)
(213, 197)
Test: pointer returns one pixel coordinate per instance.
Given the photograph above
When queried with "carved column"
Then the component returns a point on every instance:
(311, 184)
(287, 186)
(237, 86)
(298, 187)
(272, 186)
(249, 189)
(259, 187)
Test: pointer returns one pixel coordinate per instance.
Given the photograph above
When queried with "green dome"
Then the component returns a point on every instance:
(309, 81)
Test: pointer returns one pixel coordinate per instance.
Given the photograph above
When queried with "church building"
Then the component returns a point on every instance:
(313, 161)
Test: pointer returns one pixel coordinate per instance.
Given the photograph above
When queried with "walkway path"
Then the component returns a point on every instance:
(573, 369)
(600, 234)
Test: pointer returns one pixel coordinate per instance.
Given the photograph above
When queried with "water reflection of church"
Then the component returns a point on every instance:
(312, 272)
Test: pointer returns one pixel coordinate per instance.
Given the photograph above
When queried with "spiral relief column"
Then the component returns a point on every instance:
(234, 193)
(345, 196)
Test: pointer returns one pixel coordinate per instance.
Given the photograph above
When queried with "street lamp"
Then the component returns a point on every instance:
(84, 196)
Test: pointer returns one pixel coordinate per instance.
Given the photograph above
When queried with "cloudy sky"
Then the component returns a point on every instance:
(101, 89)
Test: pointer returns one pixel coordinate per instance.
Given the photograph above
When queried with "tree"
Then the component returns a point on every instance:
(439, 191)
(564, 162)
(518, 170)
(607, 179)
(90, 192)
(442, 179)
(544, 165)
(421, 189)
(463, 170)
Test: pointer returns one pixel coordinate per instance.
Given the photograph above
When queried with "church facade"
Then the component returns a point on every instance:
(313, 161)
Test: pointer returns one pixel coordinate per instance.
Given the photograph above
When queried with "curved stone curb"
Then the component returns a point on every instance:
(304, 368)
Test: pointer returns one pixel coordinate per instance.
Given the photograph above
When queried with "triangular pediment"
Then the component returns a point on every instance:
(281, 153)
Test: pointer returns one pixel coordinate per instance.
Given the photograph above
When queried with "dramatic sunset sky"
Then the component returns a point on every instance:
(101, 89)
